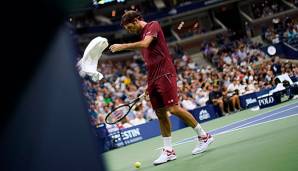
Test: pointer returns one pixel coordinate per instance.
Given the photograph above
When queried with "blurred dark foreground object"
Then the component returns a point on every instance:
(44, 124)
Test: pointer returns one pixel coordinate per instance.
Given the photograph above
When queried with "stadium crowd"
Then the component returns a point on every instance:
(239, 68)
(267, 7)
(282, 30)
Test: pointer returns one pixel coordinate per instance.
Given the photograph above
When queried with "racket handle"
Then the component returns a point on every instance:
(141, 96)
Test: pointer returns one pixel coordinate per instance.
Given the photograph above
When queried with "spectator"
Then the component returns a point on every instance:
(203, 95)
(233, 94)
(149, 112)
(124, 123)
(139, 119)
(216, 98)
(276, 67)
(250, 87)
(267, 7)
(188, 102)
(226, 100)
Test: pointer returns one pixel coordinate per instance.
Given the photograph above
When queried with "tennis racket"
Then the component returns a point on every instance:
(120, 112)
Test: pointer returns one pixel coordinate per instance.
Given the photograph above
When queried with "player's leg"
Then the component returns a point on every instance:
(204, 139)
(184, 115)
(167, 153)
(164, 122)
(167, 88)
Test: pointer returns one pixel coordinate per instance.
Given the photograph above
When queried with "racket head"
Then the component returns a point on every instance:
(117, 114)
(120, 112)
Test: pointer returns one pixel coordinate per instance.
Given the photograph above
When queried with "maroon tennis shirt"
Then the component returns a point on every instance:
(157, 58)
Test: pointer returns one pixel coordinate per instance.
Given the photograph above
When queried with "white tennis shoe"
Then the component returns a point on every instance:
(202, 144)
(165, 156)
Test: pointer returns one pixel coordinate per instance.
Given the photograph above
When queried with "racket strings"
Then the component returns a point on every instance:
(119, 113)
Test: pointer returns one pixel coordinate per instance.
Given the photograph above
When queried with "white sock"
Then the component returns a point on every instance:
(199, 130)
(167, 143)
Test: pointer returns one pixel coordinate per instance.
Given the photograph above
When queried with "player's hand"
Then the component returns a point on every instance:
(116, 47)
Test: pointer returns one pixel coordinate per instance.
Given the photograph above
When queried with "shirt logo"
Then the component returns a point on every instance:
(170, 101)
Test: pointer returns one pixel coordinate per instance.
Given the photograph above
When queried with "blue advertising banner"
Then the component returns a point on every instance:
(122, 137)
(248, 100)
(141, 132)
(266, 101)
(205, 113)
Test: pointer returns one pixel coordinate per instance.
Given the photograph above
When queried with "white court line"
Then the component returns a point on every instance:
(260, 119)
(232, 130)
(257, 116)
(193, 138)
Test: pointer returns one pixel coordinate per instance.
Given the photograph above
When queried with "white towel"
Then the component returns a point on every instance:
(88, 64)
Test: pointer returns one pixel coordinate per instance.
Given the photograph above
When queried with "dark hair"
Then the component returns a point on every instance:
(130, 16)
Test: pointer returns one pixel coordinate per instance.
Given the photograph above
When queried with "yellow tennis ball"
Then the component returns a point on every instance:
(137, 164)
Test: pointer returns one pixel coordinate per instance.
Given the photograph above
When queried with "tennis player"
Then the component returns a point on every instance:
(162, 83)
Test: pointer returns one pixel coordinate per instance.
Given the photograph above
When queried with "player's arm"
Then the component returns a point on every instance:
(132, 46)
